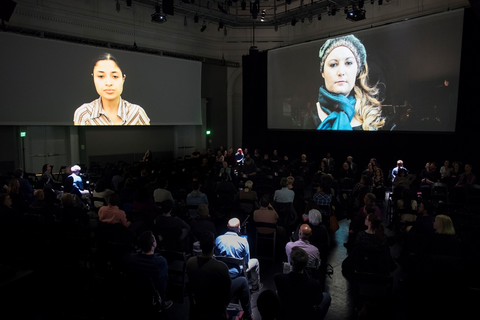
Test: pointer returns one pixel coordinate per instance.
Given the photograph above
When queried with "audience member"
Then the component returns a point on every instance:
(396, 170)
(370, 252)
(212, 286)
(301, 297)
(195, 198)
(25, 188)
(225, 169)
(111, 213)
(162, 194)
(172, 229)
(249, 167)
(149, 267)
(231, 244)
(202, 223)
(268, 305)
(225, 188)
(266, 214)
(304, 234)
(284, 195)
(75, 182)
(101, 191)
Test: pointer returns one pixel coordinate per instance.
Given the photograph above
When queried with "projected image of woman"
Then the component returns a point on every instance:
(346, 101)
(109, 108)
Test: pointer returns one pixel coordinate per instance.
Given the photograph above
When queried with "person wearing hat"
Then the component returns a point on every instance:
(231, 244)
(346, 101)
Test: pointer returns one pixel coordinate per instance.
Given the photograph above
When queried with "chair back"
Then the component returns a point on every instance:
(233, 262)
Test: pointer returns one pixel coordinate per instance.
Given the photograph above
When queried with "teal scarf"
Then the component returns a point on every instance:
(340, 110)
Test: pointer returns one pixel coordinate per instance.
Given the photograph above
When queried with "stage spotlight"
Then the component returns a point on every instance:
(244, 5)
(129, 3)
(276, 27)
(204, 26)
(117, 6)
(360, 4)
(195, 19)
(294, 22)
(334, 11)
(380, 2)
(220, 25)
(319, 17)
(263, 16)
(289, 2)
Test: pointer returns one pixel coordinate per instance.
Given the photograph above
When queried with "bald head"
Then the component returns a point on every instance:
(234, 224)
(304, 232)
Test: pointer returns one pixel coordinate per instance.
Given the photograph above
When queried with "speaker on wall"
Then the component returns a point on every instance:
(6, 9)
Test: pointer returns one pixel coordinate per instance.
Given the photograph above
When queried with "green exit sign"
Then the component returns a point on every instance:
(23, 134)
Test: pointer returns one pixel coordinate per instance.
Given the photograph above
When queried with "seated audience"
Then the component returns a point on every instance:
(212, 286)
(301, 297)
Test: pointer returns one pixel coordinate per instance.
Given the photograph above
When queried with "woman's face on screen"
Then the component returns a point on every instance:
(108, 79)
(340, 71)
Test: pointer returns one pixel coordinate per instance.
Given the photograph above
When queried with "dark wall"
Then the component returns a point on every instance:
(214, 89)
(414, 148)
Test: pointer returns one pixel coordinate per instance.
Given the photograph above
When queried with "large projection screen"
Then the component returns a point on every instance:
(415, 64)
(44, 81)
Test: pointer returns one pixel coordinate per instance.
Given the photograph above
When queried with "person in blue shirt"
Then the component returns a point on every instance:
(231, 244)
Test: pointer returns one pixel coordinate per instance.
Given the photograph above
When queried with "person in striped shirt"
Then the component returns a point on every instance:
(109, 108)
